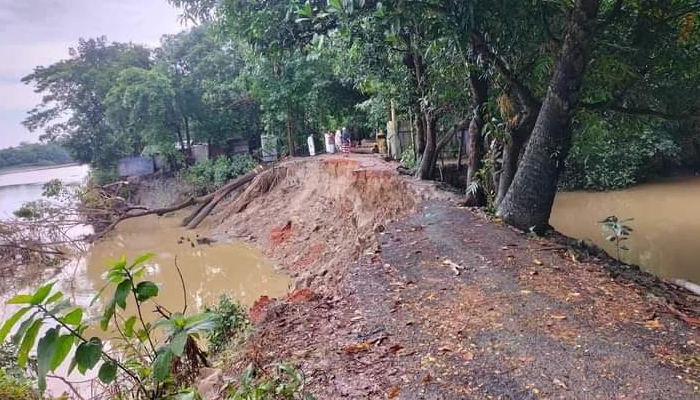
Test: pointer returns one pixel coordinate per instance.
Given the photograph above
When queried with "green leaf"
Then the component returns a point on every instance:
(177, 344)
(107, 315)
(162, 365)
(17, 337)
(46, 349)
(7, 326)
(98, 295)
(88, 354)
(146, 290)
(108, 372)
(28, 343)
(64, 344)
(41, 294)
(57, 296)
(73, 318)
(123, 290)
(187, 396)
(129, 326)
(73, 364)
(141, 259)
(20, 299)
(59, 307)
(336, 4)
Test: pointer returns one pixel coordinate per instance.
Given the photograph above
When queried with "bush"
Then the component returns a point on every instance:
(13, 388)
(232, 322)
(209, 175)
(408, 158)
(13, 383)
(100, 177)
(604, 155)
(283, 382)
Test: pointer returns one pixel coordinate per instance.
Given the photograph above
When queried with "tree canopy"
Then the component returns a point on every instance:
(541, 86)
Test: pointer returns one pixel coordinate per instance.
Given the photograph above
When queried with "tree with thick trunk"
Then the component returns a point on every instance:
(479, 86)
(528, 202)
(518, 136)
(427, 163)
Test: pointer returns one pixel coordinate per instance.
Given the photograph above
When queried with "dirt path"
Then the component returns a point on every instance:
(522, 320)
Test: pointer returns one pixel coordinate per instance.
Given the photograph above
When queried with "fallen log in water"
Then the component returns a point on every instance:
(206, 205)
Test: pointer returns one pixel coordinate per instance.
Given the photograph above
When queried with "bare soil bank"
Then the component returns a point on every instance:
(380, 311)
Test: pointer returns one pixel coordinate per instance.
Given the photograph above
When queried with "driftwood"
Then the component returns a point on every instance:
(206, 205)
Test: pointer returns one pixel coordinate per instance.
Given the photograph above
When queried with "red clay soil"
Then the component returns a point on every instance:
(441, 303)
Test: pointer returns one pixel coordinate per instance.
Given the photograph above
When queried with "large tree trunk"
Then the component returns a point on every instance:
(427, 164)
(480, 91)
(512, 150)
(528, 202)
(420, 134)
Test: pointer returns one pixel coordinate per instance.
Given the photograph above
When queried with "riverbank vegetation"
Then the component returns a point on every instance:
(34, 155)
(603, 90)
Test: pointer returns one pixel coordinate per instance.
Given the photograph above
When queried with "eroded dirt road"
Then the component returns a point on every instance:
(523, 319)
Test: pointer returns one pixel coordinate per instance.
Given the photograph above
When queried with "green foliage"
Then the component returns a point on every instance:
(618, 232)
(208, 175)
(34, 155)
(283, 382)
(610, 154)
(231, 324)
(16, 388)
(149, 364)
(76, 88)
(408, 158)
(102, 176)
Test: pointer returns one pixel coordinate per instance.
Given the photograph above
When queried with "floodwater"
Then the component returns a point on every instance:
(666, 236)
(19, 187)
(209, 269)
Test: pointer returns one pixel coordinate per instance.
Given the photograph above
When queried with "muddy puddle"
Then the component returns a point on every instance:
(666, 223)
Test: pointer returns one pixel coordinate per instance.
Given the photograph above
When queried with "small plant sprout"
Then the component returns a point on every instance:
(618, 232)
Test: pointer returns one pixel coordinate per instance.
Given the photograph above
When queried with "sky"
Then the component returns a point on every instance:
(39, 32)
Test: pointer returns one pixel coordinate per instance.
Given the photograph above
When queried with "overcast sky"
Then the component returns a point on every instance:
(39, 32)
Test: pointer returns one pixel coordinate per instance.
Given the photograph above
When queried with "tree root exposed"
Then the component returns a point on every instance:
(262, 184)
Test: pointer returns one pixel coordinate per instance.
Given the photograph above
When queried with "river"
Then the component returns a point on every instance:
(208, 270)
(666, 236)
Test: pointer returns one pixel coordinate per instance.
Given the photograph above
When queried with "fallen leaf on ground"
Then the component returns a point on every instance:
(393, 392)
(468, 355)
(537, 262)
(356, 348)
(653, 324)
(395, 348)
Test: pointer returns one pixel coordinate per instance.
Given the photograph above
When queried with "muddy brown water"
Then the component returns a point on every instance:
(208, 269)
(666, 236)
